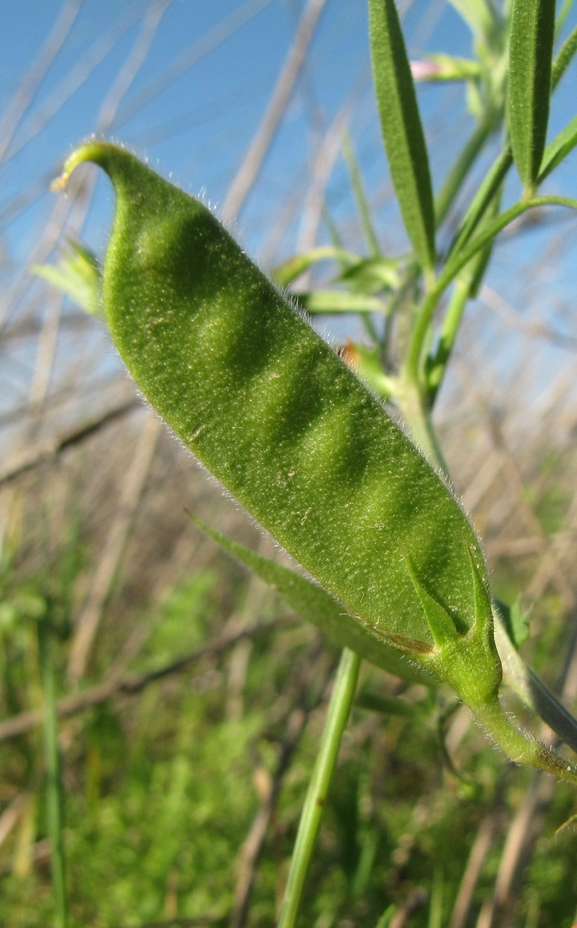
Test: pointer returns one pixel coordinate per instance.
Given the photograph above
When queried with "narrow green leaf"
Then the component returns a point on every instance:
(558, 149)
(366, 361)
(290, 270)
(314, 605)
(502, 163)
(388, 705)
(387, 917)
(78, 275)
(372, 274)
(530, 52)
(360, 197)
(319, 302)
(402, 129)
(564, 58)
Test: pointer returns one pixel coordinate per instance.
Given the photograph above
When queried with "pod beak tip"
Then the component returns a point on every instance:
(58, 185)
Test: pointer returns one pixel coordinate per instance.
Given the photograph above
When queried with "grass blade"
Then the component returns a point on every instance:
(531, 49)
(54, 791)
(402, 129)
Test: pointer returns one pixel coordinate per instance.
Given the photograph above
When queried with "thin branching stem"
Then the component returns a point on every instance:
(455, 263)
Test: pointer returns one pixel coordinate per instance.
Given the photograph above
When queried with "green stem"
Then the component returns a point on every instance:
(520, 746)
(564, 58)
(491, 183)
(337, 717)
(461, 168)
(451, 324)
(531, 690)
(456, 262)
(419, 334)
(466, 287)
(54, 793)
(417, 415)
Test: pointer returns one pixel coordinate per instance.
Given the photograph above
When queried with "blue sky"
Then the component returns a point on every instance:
(197, 126)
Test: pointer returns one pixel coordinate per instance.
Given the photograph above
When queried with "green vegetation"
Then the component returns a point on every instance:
(170, 793)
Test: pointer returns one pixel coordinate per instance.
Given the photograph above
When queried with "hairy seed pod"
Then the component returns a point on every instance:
(288, 429)
(272, 411)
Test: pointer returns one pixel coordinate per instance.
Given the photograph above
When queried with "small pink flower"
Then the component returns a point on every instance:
(422, 70)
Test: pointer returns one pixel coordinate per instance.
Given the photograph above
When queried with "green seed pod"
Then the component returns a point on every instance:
(266, 405)
(275, 414)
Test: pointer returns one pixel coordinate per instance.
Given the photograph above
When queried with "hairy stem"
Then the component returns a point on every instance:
(520, 746)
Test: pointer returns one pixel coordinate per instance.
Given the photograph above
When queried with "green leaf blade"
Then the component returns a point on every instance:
(314, 605)
(291, 269)
(530, 54)
(78, 275)
(558, 149)
(564, 58)
(402, 128)
(319, 302)
(363, 207)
